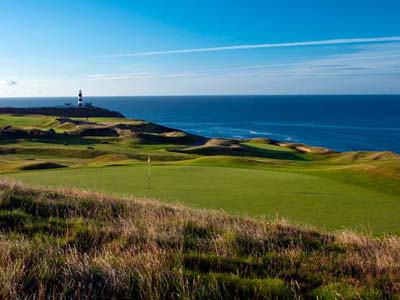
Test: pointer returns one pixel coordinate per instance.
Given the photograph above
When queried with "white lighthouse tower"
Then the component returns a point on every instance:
(80, 100)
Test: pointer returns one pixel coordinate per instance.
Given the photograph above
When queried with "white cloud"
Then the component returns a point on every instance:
(40, 80)
(258, 46)
(143, 75)
(379, 60)
(365, 68)
(7, 82)
(372, 60)
(120, 76)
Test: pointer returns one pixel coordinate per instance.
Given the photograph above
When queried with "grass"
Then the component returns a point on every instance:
(31, 121)
(111, 120)
(73, 244)
(69, 244)
(301, 198)
(359, 190)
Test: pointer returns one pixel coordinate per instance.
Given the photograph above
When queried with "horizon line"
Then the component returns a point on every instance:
(260, 46)
(212, 95)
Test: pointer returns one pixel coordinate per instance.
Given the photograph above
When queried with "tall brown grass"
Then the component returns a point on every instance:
(72, 244)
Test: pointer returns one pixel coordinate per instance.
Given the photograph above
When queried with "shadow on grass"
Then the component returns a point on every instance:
(59, 140)
(276, 154)
(245, 150)
(66, 140)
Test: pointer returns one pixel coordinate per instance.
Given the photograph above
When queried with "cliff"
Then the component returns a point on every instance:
(77, 112)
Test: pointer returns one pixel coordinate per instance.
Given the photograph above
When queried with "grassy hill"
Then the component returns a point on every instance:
(70, 244)
(258, 177)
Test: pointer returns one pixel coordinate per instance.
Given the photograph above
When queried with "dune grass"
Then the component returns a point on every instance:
(69, 244)
(301, 198)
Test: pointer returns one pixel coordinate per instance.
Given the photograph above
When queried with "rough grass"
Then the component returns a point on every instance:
(359, 156)
(71, 244)
(238, 148)
(108, 159)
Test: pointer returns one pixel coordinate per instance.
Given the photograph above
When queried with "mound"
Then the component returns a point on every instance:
(217, 147)
(306, 148)
(346, 157)
(379, 156)
(263, 141)
(359, 156)
(9, 132)
(41, 166)
(66, 126)
(173, 137)
(144, 127)
(68, 244)
(221, 143)
(94, 131)
(237, 148)
(108, 160)
(382, 169)
(174, 134)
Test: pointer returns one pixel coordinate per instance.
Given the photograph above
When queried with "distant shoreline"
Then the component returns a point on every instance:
(342, 123)
(202, 95)
(77, 112)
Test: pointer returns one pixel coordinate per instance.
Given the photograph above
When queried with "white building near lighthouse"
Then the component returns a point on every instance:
(80, 100)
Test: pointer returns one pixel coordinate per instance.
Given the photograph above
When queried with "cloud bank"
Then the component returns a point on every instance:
(260, 46)
(7, 82)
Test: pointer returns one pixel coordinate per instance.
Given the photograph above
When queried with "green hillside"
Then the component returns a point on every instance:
(259, 177)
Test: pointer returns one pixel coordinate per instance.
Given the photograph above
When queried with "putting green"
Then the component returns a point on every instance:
(298, 197)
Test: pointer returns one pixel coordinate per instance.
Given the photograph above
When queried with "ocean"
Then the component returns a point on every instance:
(342, 123)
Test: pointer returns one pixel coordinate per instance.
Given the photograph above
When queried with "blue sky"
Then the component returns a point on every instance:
(122, 47)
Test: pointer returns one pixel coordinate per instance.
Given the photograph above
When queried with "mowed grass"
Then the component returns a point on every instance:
(300, 198)
(31, 121)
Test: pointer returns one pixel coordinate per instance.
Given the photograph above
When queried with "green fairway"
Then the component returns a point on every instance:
(298, 197)
(32, 121)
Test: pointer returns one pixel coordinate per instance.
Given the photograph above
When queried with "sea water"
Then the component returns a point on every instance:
(342, 123)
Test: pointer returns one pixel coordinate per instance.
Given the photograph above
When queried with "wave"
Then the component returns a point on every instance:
(311, 125)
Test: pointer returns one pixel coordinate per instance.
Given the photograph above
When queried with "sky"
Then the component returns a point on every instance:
(191, 47)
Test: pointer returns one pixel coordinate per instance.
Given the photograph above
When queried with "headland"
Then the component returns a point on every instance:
(76, 112)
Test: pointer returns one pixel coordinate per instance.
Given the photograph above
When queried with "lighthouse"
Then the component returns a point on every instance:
(80, 101)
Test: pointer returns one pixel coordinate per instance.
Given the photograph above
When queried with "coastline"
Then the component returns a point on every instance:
(76, 112)
(341, 123)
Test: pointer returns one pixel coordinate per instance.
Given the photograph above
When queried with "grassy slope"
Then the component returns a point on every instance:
(68, 244)
(301, 198)
(110, 120)
(32, 121)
